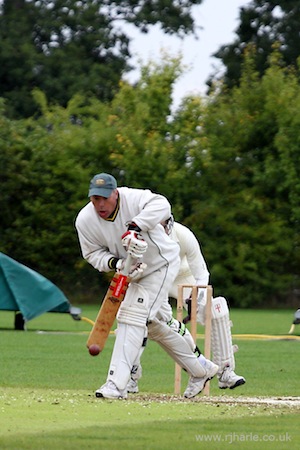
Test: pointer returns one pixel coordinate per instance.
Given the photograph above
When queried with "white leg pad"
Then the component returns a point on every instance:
(134, 309)
(130, 335)
(221, 339)
(181, 329)
(177, 327)
(136, 372)
(201, 304)
(128, 344)
(176, 346)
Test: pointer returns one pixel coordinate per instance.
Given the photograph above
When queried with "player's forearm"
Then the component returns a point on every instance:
(156, 210)
(199, 271)
(99, 257)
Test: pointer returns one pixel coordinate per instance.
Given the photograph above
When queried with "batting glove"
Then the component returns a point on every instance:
(135, 270)
(134, 244)
(188, 305)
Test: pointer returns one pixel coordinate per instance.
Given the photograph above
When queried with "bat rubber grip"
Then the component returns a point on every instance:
(127, 265)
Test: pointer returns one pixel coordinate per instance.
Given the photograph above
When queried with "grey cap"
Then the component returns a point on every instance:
(102, 184)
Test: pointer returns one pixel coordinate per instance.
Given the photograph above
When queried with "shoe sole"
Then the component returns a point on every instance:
(238, 383)
(99, 395)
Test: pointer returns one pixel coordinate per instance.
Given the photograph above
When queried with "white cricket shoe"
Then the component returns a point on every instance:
(229, 379)
(110, 390)
(132, 386)
(196, 385)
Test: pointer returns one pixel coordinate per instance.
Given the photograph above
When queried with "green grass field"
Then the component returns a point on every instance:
(48, 380)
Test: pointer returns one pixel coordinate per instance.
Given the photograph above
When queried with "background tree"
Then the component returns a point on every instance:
(263, 23)
(228, 164)
(70, 47)
(46, 164)
(247, 172)
(142, 153)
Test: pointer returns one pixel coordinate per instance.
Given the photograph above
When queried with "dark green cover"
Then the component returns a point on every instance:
(22, 289)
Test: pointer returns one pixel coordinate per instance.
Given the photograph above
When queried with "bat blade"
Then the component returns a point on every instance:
(108, 311)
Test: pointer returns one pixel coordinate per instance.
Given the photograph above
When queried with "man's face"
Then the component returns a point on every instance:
(105, 206)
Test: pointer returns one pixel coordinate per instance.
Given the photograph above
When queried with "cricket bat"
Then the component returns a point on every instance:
(109, 308)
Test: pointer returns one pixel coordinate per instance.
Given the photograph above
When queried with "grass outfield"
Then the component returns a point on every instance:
(48, 380)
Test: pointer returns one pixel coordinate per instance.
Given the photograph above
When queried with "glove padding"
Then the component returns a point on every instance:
(134, 244)
(188, 305)
(135, 270)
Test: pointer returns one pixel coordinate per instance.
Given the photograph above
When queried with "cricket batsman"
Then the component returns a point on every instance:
(118, 221)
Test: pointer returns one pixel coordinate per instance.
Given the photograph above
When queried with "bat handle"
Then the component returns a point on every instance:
(127, 265)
